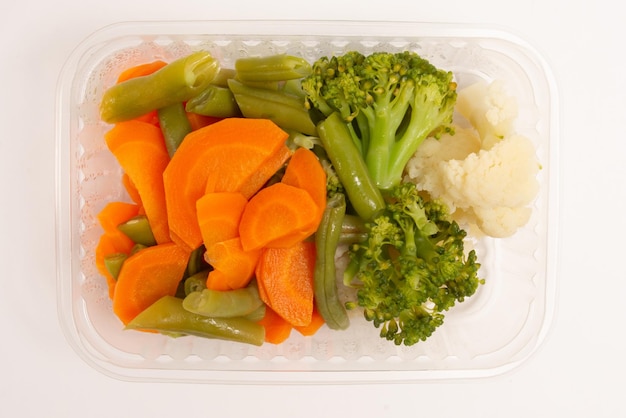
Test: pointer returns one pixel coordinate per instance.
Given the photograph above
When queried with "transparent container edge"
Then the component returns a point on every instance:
(244, 27)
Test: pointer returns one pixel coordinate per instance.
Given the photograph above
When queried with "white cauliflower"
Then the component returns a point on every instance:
(486, 174)
(488, 109)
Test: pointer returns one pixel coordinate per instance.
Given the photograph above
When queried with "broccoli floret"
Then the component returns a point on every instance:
(412, 267)
(390, 101)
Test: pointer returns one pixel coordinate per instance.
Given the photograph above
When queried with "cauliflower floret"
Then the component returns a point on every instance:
(489, 109)
(486, 174)
(504, 175)
(423, 170)
(501, 222)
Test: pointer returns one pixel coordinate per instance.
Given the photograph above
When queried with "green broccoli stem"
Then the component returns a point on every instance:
(365, 197)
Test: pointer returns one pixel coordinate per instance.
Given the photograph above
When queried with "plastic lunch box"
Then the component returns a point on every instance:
(492, 333)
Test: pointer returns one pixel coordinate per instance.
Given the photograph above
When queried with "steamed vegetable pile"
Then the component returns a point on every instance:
(246, 184)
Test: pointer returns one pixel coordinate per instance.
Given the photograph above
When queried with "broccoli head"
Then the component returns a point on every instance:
(390, 101)
(411, 268)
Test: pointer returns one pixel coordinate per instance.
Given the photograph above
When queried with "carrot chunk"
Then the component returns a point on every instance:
(227, 155)
(219, 215)
(286, 277)
(233, 266)
(147, 276)
(278, 216)
(305, 171)
(277, 329)
(140, 150)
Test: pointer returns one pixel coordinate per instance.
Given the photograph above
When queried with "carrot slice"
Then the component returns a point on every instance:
(140, 70)
(316, 323)
(219, 215)
(230, 151)
(140, 150)
(147, 276)
(233, 266)
(277, 330)
(113, 242)
(278, 216)
(197, 121)
(258, 178)
(131, 189)
(115, 213)
(286, 276)
(305, 171)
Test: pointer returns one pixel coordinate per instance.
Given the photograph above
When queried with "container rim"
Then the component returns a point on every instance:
(347, 28)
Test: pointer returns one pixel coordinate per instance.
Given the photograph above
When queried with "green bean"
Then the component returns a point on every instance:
(137, 247)
(222, 77)
(196, 261)
(285, 110)
(352, 230)
(176, 82)
(214, 101)
(364, 196)
(168, 316)
(257, 314)
(224, 303)
(138, 230)
(196, 282)
(277, 67)
(325, 274)
(114, 262)
(174, 125)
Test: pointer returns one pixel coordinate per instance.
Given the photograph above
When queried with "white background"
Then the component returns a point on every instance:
(577, 372)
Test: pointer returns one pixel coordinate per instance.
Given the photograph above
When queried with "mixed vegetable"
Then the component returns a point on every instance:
(247, 183)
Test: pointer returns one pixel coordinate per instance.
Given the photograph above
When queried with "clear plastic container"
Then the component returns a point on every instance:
(490, 334)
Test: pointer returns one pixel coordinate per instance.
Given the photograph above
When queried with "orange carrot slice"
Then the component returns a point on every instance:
(147, 276)
(141, 70)
(130, 188)
(286, 276)
(197, 121)
(278, 216)
(233, 266)
(316, 323)
(114, 242)
(116, 213)
(140, 150)
(305, 171)
(231, 151)
(277, 330)
(219, 215)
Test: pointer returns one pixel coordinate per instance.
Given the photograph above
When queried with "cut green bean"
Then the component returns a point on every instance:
(285, 110)
(176, 82)
(168, 316)
(174, 125)
(114, 262)
(222, 77)
(364, 195)
(224, 303)
(278, 67)
(352, 230)
(138, 230)
(137, 247)
(214, 101)
(327, 298)
(196, 282)
(257, 314)
(196, 261)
